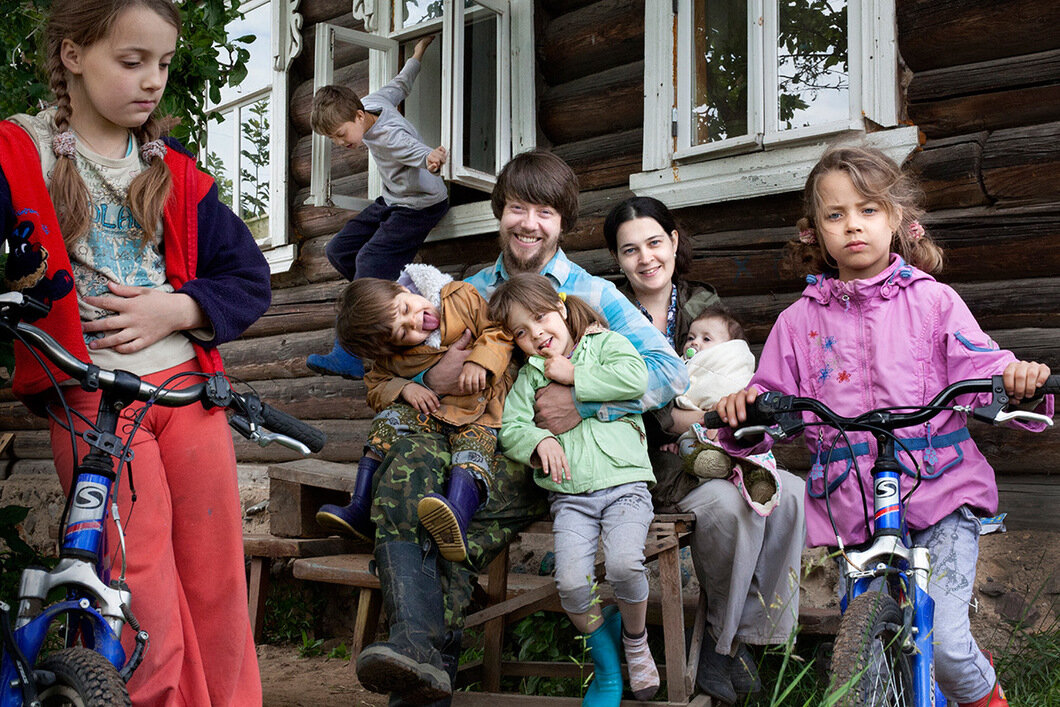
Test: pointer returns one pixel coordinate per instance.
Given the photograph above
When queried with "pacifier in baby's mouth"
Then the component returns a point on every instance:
(690, 352)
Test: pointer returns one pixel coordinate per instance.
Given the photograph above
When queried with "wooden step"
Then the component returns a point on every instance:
(297, 489)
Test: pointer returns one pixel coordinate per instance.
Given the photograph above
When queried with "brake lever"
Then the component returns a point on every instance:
(1004, 416)
(774, 432)
(257, 433)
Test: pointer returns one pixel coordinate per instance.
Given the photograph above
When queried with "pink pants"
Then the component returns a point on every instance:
(184, 540)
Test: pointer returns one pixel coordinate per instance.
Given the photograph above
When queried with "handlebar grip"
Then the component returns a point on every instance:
(712, 421)
(284, 424)
(1051, 387)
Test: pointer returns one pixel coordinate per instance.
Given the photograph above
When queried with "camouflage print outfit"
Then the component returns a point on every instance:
(471, 446)
(417, 466)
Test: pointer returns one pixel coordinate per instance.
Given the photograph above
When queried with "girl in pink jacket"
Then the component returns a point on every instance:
(877, 330)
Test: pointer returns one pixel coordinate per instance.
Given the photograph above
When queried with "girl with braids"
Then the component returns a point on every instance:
(873, 329)
(161, 273)
(597, 473)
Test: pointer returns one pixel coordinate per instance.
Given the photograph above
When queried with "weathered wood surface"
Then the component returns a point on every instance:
(606, 161)
(949, 171)
(606, 102)
(597, 37)
(1021, 165)
(937, 33)
(344, 161)
(277, 356)
(354, 76)
(314, 11)
(994, 95)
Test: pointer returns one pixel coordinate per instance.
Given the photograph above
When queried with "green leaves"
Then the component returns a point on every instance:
(206, 59)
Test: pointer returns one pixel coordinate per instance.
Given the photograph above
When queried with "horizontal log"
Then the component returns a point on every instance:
(313, 221)
(15, 416)
(317, 397)
(345, 442)
(937, 33)
(949, 172)
(32, 444)
(592, 39)
(344, 53)
(606, 161)
(1024, 71)
(1020, 165)
(344, 161)
(278, 356)
(608, 102)
(314, 11)
(593, 208)
(774, 211)
(293, 318)
(354, 76)
(557, 8)
(990, 111)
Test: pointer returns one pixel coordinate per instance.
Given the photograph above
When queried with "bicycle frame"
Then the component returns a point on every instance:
(97, 610)
(892, 556)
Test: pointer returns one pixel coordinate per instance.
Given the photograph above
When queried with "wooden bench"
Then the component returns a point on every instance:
(513, 596)
(262, 549)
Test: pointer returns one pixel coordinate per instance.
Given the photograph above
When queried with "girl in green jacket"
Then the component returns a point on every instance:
(597, 472)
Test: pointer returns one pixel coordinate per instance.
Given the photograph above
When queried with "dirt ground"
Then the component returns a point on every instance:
(1018, 581)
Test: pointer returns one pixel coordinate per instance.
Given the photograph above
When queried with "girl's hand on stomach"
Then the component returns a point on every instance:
(472, 378)
(419, 397)
(559, 369)
(143, 315)
(733, 408)
(552, 459)
(1023, 378)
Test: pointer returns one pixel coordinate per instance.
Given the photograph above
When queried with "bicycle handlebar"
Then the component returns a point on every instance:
(773, 408)
(250, 411)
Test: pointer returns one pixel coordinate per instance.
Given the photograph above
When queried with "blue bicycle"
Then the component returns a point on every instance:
(92, 667)
(883, 653)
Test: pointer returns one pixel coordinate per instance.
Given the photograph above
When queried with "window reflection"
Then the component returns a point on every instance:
(719, 71)
(813, 73)
(480, 89)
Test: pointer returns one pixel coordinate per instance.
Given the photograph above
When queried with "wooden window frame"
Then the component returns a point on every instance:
(766, 161)
(285, 44)
(516, 120)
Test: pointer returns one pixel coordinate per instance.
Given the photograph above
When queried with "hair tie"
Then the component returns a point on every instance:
(149, 151)
(916, 231)
(64, 144)
(562, 296)
(808, 236)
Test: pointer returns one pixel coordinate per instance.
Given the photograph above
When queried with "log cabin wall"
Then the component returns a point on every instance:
(983, 88)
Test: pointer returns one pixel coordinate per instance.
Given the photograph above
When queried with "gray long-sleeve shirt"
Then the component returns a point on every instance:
(399, 151)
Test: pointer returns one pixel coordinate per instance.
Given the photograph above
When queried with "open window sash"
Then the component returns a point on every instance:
(476, 115)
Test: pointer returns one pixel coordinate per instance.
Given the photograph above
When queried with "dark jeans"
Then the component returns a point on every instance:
(381, 240)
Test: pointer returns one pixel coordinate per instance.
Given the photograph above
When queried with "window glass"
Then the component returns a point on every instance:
(719, 71)
(221, 156)
(423, 107)
(254, 159)
(479, 78)
(256, 22)
(812, 63)
(416, 11)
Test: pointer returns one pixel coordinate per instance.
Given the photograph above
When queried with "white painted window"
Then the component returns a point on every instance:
(474, 94)
(743, 101)
(246, 142)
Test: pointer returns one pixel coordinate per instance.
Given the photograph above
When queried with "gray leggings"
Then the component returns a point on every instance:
(619, 516)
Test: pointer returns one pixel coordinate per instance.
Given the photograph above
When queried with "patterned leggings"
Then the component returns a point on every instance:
(472, 446)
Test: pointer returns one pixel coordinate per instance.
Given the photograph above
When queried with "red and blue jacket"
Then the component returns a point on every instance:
(209, 254)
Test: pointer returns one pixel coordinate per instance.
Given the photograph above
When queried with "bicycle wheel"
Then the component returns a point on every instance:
(83, 678)
(869, 668)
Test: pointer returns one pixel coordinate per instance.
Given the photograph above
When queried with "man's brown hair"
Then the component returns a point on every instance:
(366, 317)
(538, 177)
(332, 106)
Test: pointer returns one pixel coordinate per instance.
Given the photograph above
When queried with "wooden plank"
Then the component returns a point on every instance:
(936, 33)
(276, 356)
(597, 37)
(606, 102)
(1020, 165)
(273, 546)
(314, 472)
(996, 110)
(352, 570)
(606, 161)
(1030, 501)
(493, 632)
(1023, 71)
(293, 508)
(949, 172)
(257, 589)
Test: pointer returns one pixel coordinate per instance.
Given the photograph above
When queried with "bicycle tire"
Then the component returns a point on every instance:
(83, 678)
(869, 667)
